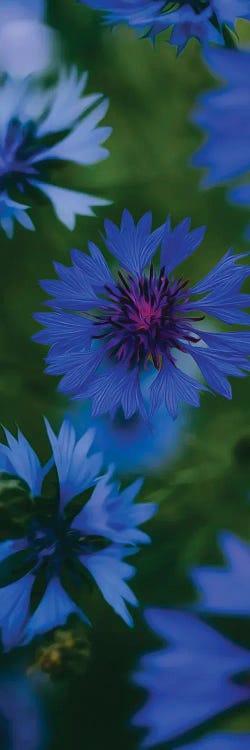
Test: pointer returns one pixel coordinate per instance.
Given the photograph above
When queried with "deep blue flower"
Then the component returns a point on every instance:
(221, 741)
(190, 681)
(202, 19)
(224, 114)
(105, 331)
(226, 590)
(21, 718)
(30, 117)
(91, 541)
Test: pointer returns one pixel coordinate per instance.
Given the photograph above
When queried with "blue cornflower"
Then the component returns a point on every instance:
(21, 719)
(93, 540)
(202, 19)
(38, 127)
(105, 331)
(224, 114)
(226, 591)
(190, 681)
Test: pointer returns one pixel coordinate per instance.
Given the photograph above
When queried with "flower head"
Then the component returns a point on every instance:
(105, 331)
(190, 681)
(88, 537)
(38, 127)
(226, 590)
(224, 114)
(202, 19)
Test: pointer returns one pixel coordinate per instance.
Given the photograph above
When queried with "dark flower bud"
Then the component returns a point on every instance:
(64, 655)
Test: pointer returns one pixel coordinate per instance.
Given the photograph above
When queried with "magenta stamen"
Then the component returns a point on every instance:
(144, 318)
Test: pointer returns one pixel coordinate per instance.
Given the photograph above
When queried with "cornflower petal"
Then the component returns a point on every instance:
(111, 579)
(53, 610)
(114, 515)
(226, 590)
(19, 458)
(14, 608)
(68, 204)
(76, 471)
(189, 682)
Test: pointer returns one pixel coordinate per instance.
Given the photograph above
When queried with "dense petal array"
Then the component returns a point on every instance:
(189, 682)
(91, 537)
(224, 114)
(226, 590)
(40, 127)
(105, 331)
(203, 19)
(126, 442)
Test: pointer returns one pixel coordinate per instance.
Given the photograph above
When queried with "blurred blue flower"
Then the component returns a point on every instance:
(104, 332)
(39, 127)
(221, 741)
(191, 681)
(224, 114)
(10, 10)
(126, 441)
(202, 19)
(93, 540)
(226, 591)
(21, 718)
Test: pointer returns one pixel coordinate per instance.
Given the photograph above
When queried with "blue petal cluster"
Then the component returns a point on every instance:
(91, 541)
(106, 330)
(224, 114)
(39, 127)
(226, 590)
(195, 678)
(189, 682)
(202, 19)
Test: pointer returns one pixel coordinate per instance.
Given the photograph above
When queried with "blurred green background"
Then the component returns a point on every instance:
(151, 96)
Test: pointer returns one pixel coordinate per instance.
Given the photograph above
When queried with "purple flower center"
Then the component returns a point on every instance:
(145, 317)
(59, 542)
